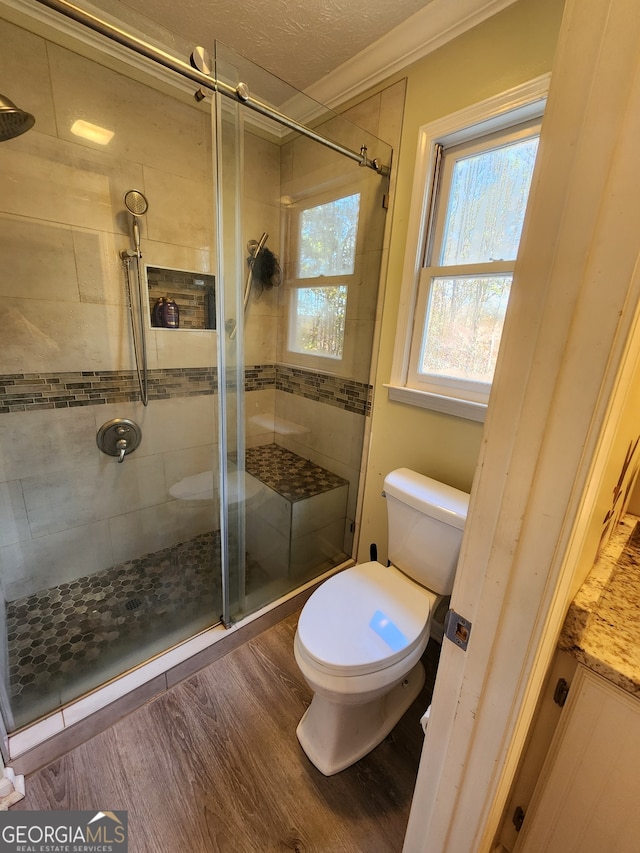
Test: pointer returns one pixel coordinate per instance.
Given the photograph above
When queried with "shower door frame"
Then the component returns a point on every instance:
(241, 96)
(230, 361)
(238, 97)
(240, 93)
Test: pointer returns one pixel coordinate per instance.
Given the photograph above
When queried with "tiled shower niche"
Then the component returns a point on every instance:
(193, 292)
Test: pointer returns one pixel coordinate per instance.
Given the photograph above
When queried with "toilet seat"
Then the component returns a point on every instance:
(363, 620)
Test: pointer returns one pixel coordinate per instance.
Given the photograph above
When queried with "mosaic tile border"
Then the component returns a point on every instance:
(22, 392)
(260, 376)
(347, 394)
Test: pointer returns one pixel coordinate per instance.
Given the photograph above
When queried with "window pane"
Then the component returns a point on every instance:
(464, 324)
(318, 327)
(487, 203)
(327, 244)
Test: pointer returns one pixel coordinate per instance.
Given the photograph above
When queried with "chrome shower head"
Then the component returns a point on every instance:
(135, 202)
(137, 205)
(13, 121)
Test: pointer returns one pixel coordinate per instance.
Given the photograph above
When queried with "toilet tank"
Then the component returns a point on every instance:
(426, 519)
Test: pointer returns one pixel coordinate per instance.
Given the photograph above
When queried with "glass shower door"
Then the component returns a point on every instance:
(228, 126)
(302, 229)
(104, 564)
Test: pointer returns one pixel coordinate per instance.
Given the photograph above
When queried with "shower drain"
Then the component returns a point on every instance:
(133, 603)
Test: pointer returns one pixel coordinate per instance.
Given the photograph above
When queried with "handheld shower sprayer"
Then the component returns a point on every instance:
(137, 205)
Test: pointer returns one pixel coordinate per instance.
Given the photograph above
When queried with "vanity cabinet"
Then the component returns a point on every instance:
(587, 798)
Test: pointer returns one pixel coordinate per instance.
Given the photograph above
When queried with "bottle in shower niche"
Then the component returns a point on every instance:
(167, 313)
(156, 312)
(170, 314)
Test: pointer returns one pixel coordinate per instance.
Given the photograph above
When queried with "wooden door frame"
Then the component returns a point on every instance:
(569, 349)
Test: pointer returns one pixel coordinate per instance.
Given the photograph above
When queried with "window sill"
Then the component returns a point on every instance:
(438, 402)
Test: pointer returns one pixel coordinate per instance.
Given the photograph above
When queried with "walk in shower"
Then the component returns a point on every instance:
(243, 484)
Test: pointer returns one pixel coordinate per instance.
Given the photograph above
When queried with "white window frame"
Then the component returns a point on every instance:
(297, 286)
(299, 283)
(521, 104)
(330, 191)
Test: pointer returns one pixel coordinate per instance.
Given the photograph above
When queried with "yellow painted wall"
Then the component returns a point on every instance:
(511, 48)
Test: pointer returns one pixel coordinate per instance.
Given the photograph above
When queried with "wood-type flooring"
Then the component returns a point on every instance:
(214, 766)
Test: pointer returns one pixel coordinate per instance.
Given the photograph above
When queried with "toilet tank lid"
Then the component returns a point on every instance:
(428, 496)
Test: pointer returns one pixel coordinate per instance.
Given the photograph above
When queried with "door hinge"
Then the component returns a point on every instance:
(561, 692)
(518, 818)
(457, 629)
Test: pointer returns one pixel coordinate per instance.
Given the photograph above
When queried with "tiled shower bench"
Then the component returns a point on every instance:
(297, 518)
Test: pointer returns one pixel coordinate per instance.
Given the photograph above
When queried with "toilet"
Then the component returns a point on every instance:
(362, 633)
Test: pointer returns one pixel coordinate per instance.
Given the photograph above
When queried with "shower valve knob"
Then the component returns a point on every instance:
(119, 437)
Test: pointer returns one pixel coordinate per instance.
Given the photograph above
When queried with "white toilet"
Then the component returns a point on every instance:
(362, 633)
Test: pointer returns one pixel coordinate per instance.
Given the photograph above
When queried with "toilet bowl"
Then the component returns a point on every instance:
(362, 633)
(358, 646)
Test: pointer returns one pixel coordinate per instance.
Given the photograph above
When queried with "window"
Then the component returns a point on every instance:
(471, 202)
(325, 265)
(318, 320)
(472, 244)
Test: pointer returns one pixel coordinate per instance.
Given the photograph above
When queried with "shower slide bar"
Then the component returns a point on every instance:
(254, 250)
(239, 93)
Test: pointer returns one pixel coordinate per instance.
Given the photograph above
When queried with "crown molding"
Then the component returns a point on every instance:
(435, 24)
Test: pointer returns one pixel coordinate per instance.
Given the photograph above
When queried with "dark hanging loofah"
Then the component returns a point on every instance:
(266, 269)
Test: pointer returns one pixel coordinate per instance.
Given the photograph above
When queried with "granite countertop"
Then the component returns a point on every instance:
(602, 628)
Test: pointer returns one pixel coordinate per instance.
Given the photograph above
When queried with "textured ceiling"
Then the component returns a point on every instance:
(299, 41)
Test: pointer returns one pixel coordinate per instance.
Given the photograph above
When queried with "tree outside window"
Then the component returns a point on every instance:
(326, 242)
(476, 223)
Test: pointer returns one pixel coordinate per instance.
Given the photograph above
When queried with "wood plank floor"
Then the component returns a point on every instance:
(214, 765)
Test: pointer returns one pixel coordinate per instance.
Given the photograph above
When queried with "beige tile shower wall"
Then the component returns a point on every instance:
(259, 414)
(381, 114)
(308, 170)
(261, 213)
(66, 510)
(327, 435)
(63, 217)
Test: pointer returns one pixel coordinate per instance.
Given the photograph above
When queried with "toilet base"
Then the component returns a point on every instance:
(334, 735)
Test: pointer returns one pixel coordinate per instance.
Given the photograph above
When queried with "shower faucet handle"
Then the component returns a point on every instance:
(121, 445)
(119, 437)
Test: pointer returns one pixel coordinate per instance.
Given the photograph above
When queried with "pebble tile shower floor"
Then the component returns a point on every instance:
(69, 639)
(79, 632)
